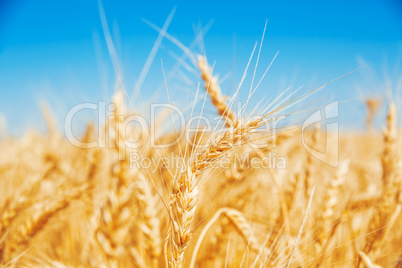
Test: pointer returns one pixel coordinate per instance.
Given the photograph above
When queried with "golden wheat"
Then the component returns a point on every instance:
(63, 206)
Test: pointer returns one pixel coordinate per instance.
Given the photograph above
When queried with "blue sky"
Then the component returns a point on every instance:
(56, 50)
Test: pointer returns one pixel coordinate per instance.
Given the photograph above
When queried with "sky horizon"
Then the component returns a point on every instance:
(56, 51)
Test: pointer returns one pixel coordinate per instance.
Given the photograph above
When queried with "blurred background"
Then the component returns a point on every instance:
(56, 51)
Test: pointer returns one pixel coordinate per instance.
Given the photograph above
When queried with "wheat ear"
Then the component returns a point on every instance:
(115, 221)
(329, 207)
(239, 222)
(366, 260)
(390, 178)
(363, 203)
(183, 200)
(309, 164)
(149, 221)
(372, 105)
(20, 239)
(214, 91)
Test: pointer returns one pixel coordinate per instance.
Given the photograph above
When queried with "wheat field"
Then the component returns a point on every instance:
(66, 206)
